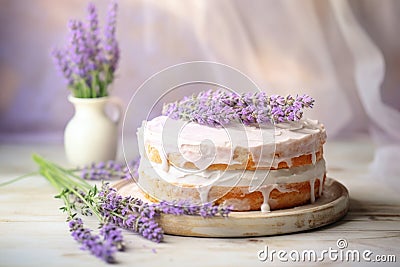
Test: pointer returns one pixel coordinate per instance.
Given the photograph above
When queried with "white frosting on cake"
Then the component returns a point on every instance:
(204, 180)
(181, 142)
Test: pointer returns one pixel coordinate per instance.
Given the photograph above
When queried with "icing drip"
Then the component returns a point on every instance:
(312, 191)
(265, 208)
(203, 193)
(164, 162)
(312, 182)
(313, 157)
(266, 191)
(321, 184)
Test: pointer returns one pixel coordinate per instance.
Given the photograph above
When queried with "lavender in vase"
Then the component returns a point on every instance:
(88, 63)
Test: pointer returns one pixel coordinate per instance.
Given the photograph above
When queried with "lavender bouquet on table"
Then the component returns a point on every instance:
(88, 63)
(113, 211)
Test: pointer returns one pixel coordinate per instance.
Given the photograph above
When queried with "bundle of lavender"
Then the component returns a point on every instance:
(113, 211)
(216, 108)
(87, 62)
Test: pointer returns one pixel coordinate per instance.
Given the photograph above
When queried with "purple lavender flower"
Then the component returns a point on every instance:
(185, 207)
(90, 242)
(87, 62)
(149, 229)
(218, 108)
(110, 170)
(113, 211)
(305, 100)
(136, 215)
(93, 41)
(113, 235)
(103, 171)
(277, 114)
(277, 100)
(111, 48)
(210, 210)
(79, 50)
(61, 60)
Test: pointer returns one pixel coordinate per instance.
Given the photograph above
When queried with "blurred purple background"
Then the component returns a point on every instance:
(284, 46)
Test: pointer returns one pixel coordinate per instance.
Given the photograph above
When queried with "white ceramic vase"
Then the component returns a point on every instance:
(91, 135)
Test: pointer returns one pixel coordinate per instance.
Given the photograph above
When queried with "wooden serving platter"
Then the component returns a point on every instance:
(329, 208)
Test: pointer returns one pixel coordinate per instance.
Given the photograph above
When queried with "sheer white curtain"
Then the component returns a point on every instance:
(369, 73)
(343, 53)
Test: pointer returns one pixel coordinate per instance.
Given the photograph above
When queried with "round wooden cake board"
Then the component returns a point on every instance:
(327, 209)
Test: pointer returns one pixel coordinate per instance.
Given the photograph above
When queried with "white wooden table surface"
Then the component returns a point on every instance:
(33, 231)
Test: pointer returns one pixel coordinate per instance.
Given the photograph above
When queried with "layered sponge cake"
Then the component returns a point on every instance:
(246, 164)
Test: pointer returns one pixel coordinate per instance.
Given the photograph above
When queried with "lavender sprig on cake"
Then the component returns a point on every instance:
(221, 107)
(88, 63)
